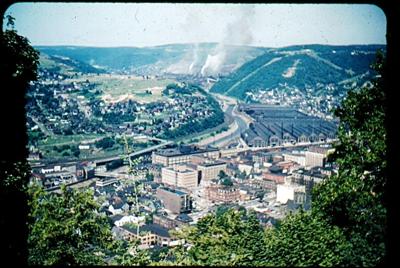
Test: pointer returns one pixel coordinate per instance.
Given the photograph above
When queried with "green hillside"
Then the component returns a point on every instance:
(152, 59)
(65, 65)
(301, 67)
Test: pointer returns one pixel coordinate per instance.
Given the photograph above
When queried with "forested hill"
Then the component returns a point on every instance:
(303, 67)
(155, 60)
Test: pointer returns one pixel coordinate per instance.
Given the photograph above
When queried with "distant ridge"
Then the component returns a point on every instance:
(300, 67)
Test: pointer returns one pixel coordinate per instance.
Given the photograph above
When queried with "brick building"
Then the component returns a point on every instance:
(176, 201)
(219, 193)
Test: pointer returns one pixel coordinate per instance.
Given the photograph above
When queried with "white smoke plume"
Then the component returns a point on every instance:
(195, 59)
(237, 33)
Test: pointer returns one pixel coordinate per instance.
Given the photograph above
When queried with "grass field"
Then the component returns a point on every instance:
(47, 147)
(70, 139)
(120, 87)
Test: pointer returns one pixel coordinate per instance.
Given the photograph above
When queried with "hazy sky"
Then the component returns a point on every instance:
(147, 24)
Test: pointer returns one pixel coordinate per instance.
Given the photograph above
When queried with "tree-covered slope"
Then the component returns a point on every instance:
(65, 65)
(174, 58)
(301, 67)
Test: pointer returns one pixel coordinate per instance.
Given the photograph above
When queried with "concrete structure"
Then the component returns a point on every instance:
(278, 125)
(150, 235)
(287, 166)
(298, 158)
(219, 193)
(174, 200)
(182, 154)
(278, 178)
(245, 167)
(167, 222)
(316, 156)
(285, 192)
(180, 176)
(106, 181)
(210, 169)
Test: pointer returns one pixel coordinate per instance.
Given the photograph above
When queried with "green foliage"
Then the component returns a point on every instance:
(118, 118)
(231, 238)
(75, 151)
(20, 60)
(149, 176)
(354, 199)
(66, 229)
(347, 223)
(105, 143)
(226, 181)
(127, 254)
(262, 73)
(35, 136)
(222, 174)
(304, 240)
(18, 66)
(214, 120)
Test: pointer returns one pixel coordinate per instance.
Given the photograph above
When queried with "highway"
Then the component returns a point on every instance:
(152, 148)
(238, 120)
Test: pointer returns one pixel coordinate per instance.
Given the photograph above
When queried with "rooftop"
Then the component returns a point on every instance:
(176, 191)
(212, 163)
(184, 150)
(156, 229)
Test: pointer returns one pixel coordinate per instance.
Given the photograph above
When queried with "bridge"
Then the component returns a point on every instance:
(133, 154)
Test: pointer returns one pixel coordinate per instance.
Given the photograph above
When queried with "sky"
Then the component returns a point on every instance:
(150, 24)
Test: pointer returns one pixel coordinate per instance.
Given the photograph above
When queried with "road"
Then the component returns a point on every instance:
(146, 150)
(42, 127)
(239, 120)
(111, 158)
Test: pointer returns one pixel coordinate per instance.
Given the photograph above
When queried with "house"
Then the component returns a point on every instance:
(116, 208)
(120, 220)
(149, 235)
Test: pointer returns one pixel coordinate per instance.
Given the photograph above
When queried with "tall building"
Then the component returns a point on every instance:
(182, 154)
(180, 176)
(210, 170)
(176, 201)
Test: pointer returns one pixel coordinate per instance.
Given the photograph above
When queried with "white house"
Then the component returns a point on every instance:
(130, 219)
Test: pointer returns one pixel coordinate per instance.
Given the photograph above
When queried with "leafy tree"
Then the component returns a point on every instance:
(222, 174)
(226, 181)
(231, 238)
(66, 229)
(149, 176)
(354, 199)
(127, 254)
(105, 143)
(18, 66)
(75, 151)
(304, 240)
